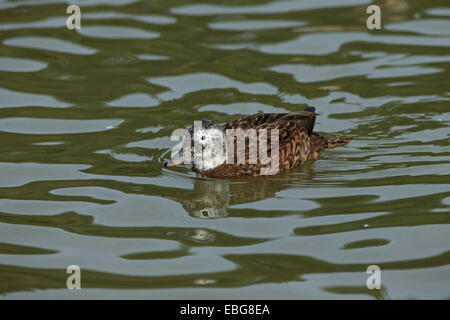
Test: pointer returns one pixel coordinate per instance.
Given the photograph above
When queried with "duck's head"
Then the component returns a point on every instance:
(207, 146)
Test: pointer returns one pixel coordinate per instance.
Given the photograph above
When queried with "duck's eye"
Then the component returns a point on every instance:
(203, 138)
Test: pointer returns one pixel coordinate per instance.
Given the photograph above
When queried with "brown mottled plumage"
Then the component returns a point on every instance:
(297, 142)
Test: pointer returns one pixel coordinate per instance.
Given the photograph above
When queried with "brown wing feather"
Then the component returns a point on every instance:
(266, 120)
(294, 144)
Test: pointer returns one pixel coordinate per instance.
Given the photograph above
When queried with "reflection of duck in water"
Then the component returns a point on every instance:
(296, 143)
(208, 199)
(211, 198)
(198, 235)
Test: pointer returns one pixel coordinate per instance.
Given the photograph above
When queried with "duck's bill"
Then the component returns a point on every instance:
(170, 163)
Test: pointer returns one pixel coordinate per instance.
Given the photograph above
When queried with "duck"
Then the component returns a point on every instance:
(270, 143)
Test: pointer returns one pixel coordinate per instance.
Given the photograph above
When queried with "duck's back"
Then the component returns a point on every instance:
(263, 120)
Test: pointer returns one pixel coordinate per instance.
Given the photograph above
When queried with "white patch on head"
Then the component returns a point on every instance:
(209, 148)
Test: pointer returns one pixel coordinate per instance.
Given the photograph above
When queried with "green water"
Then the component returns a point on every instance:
(85, 124)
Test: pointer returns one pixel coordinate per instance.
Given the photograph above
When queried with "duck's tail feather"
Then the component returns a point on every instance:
(336, 142)
(319, 142)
